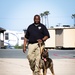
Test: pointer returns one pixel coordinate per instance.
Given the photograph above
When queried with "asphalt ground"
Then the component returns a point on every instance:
(14, 62)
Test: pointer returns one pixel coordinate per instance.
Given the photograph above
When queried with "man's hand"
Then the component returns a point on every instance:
(39, 41)
(24, 49)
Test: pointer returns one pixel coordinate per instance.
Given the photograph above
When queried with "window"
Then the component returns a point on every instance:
(6, 36)
(22, 38)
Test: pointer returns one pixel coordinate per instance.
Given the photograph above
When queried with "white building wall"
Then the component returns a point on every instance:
(51, 41)
(14, 38)
(69, 38)
(1, 36)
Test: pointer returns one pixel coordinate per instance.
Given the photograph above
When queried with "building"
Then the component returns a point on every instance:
(2, 30)
(50, 43)
(61, 38)
(12, 38)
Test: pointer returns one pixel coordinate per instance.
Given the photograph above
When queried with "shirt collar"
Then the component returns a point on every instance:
(36, 24)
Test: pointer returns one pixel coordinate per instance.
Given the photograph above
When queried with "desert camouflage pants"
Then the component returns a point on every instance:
(34, 57)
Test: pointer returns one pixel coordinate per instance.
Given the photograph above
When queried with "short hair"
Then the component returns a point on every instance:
(36, 15)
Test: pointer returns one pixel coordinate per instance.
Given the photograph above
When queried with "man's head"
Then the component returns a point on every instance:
(36, 19)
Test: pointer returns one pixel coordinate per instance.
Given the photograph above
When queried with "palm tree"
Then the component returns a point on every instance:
(42, 14)
(46, 13)
(73, 17)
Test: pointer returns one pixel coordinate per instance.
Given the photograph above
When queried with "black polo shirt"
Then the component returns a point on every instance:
(36, 32)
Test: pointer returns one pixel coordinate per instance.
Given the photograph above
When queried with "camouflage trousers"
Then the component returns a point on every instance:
(34, 57)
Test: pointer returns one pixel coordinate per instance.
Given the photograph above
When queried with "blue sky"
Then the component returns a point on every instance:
(18, 14)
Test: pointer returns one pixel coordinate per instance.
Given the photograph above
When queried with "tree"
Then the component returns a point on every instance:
(73, 17)
(42, 15)
(46, 13)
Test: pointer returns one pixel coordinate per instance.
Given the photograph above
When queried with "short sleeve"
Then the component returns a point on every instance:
(27, 34)
(46, 33)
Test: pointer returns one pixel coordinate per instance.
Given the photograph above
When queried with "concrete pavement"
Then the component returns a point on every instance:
(21, 67)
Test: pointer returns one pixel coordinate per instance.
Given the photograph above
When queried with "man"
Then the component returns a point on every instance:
(36, 34)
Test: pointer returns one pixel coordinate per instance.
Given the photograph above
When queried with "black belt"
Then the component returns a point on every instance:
(32, 42)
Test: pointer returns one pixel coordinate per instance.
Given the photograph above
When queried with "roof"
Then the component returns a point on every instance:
(61, 28)
(2, 30)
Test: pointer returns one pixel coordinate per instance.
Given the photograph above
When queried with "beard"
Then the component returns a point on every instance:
(36, 22)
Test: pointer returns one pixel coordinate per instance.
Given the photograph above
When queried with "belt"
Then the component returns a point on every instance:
(32, 42)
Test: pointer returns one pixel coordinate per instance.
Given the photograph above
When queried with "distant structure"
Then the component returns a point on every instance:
(66, 25)
(12, 38)
(2, 30)
(61, 37)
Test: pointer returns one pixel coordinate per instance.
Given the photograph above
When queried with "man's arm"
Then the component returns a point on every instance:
(45, 38)
(24, 46)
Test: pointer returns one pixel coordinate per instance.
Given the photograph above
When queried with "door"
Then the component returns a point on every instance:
(59, 37)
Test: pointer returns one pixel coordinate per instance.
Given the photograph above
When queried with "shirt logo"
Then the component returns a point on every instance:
(39, 27)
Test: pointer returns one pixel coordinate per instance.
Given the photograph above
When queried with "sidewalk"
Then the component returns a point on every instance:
(21, 67)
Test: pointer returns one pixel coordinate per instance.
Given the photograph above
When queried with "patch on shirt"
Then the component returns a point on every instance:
(39, 27)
